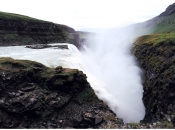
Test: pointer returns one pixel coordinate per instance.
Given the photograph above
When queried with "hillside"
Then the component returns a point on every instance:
(86, 37)
(155, 55)
(35, 96)
(163, 23)
(21, 30)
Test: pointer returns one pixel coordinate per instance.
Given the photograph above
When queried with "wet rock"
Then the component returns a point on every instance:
(98, 120)
(61, 47)
(29, 87)
(46, 98)
(43, 46)
(88, 115)
(51, 125)
(39, 46)
(86, 123)
(12, 94)
(72, 123)
(58, 69)
(157, 62)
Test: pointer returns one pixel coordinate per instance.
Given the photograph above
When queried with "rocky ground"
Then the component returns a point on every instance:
(35, 96)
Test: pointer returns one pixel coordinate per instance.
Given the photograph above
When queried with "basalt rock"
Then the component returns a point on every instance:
(156, 57)
(169, 10)
(42, 46)
(35, 96)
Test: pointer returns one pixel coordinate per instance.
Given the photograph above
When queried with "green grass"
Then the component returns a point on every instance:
(156, 50)
(88, 96)
(7, 63)
(157, 25)
(18, 17)
(156, 39)
(164, 24)
(164, 28)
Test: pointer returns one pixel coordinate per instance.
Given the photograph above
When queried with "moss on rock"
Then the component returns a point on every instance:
(47, 97)
(157, 58)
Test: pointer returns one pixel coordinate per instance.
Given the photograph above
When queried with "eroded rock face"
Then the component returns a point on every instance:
(169, 10)
(34, 96)
(157, 61)
(23, 30)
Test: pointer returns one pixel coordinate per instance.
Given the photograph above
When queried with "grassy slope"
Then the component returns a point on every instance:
(161, 24)
(18, 29)
(13, 16)
(155, 38)
(166, 24)
(155, 53)
(156, 57)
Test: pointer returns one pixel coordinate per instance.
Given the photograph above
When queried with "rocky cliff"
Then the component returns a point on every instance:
(22, 30)
(35, 96)
(156, 57)
(169, 10)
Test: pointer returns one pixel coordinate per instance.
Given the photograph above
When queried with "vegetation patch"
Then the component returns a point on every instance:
(156, 39)
(17, 17)
(88, 96)
(157, 58)
(165, 24)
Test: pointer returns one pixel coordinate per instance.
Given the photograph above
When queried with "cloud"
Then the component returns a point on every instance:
(109, 59)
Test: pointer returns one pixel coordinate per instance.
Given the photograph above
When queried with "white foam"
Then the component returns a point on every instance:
(113, 76)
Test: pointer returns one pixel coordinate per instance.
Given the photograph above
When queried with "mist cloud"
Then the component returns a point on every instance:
(109, 59)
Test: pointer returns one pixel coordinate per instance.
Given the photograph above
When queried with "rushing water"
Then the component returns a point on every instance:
(72, 58)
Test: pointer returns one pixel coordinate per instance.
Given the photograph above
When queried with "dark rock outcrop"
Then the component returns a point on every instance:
(169, 10)
(42, 46)
(22, 30)
(157, 59)
(34, 96)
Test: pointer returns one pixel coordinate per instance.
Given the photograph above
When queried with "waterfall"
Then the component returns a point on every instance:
(109, 59)
(118, 94)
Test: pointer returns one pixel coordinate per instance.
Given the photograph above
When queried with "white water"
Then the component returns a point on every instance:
(50, 57)
(109, 59)
(113, 75)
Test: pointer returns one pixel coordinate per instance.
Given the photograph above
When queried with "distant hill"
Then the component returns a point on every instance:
(163, 23)
(18, 29)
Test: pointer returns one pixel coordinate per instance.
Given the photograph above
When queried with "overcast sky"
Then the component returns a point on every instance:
(81, 14)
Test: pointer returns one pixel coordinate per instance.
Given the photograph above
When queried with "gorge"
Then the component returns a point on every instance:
(54, 87)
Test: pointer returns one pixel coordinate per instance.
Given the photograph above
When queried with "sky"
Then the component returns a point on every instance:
(82, 14)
